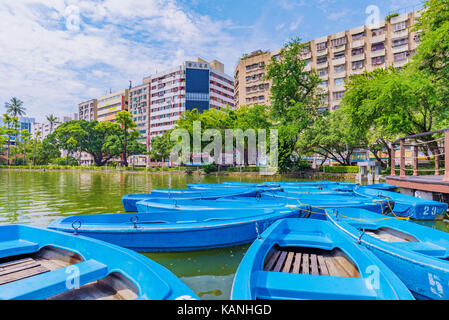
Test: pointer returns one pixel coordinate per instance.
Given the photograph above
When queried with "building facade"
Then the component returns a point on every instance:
(88, 110)
(335, 57)
(192, 85)
(111, 104)
(139, 108)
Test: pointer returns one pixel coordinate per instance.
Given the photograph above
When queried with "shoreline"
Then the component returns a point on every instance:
(302, 175)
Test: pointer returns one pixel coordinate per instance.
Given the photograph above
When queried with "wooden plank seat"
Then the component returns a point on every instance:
(51, 283)
(20, 269)
(391, 235)
(17, 247)
(310, 261)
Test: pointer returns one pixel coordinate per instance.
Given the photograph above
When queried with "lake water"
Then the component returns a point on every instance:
(36, 198)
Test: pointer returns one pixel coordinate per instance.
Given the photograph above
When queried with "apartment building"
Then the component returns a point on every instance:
(192, 85)
(111, 104)
(335, 57)
(139, 108)
(88, 110)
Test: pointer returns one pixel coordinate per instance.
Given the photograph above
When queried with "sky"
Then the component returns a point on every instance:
(55, 54)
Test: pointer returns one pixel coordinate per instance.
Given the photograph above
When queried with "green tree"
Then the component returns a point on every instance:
(161, 147)
(37, 137)
(295, 97)
(25, 135)
(124, 119)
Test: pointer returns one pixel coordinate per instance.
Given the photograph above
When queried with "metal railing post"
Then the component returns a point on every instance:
(393, 160)
(446, 156)
(415, 160)
(403, 173)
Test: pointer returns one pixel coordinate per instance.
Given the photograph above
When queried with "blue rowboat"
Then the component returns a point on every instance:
(158, 205)
(311, 259)
(317, 203)
(167, 232)
(129, 201)
(418, 255)
(37, 264)
(380, 186)
(407, 206)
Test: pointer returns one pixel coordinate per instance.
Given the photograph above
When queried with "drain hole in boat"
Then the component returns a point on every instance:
(114, 287)
(311, 261)
(25, 266)
(391, 235)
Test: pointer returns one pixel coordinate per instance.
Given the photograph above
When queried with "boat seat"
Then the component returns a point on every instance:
(49, 284)
(17, 247)
(284, 286)
(426, 248)
(293, 239)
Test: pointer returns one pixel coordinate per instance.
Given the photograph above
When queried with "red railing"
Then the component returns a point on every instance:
(415, 152)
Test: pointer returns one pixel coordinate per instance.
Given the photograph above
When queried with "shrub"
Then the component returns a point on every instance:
(210, 168)
(340, 169)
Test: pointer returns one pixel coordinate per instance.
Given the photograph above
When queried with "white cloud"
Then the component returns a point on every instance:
(52, 69)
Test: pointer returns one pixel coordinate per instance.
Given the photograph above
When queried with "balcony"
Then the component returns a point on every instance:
(306, 56)
(338, 62)
(324, 77)
(321, 53)
(400, 34)
(377, 39)
(398, 19)
(358, 71)
(339, 48)
(341, 74)
(399, 49)
(378, 53)
(400, 64)
(322, 65)
(358, 57)
(358, 44)
(308, 68)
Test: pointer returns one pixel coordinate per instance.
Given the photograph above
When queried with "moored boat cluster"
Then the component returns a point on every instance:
(321, 240)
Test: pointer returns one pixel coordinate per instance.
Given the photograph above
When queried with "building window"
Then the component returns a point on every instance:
(378, 46)
(339, 42)
(339, 55)
(356, 52)
(339, 69)
(321, 46)
(400, 56)
(400, 42)
(357, 65)
(323, 85)
(338, 95)
(322, 72)
(378, 32)
(400, 26)
(339, 82)
(358, 36)
(321, 60)
(378, 61)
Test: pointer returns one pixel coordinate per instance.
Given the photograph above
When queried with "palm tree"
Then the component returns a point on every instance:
(52, 120)
(15, 107)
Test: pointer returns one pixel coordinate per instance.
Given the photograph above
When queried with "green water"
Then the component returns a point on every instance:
(36, 198)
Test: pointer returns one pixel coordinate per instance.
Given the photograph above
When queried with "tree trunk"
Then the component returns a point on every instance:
(125, 157)
(34, 153)
(24, 154)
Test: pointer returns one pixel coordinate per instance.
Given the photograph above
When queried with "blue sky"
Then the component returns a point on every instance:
(58, 53)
